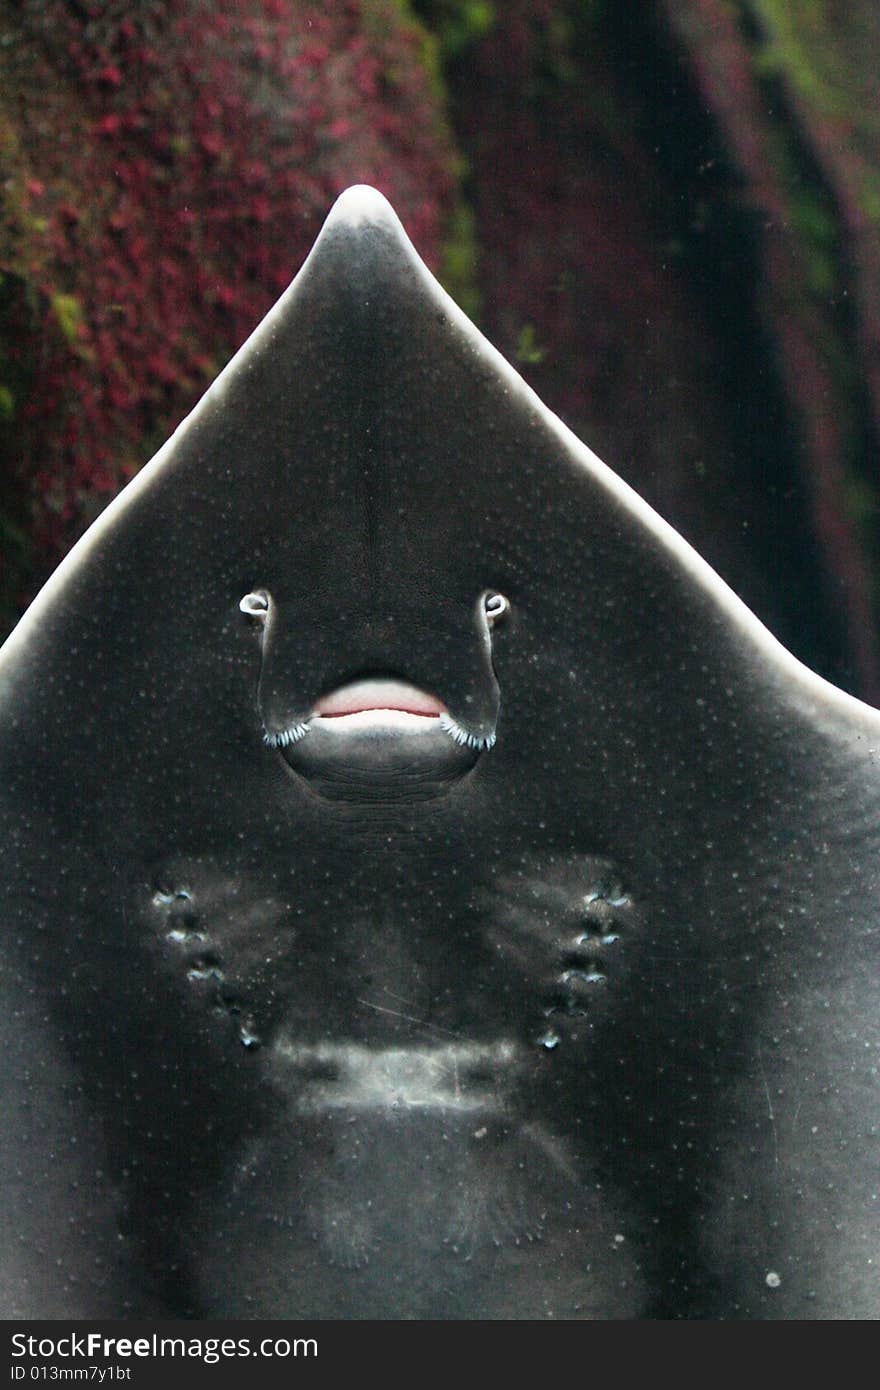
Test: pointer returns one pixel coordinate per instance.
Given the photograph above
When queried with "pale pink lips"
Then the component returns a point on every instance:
(378, 708)
(377, 700)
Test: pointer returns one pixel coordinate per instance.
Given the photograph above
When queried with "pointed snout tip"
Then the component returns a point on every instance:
(362, 251)
(362, 206)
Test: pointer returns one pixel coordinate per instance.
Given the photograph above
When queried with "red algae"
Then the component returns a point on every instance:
(166, 171)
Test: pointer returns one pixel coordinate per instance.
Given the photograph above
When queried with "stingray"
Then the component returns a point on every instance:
(429, 891)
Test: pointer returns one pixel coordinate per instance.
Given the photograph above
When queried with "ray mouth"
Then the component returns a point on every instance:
(381, 709)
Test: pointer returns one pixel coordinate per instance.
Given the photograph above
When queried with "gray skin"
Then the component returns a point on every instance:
(374, 1023)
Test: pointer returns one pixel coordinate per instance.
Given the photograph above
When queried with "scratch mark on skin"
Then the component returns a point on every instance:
(399, 997)
(408, 1018)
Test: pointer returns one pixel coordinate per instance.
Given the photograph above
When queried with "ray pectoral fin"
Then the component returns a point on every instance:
(63, 1255)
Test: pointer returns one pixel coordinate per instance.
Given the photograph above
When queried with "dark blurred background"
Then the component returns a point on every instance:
(665, 212)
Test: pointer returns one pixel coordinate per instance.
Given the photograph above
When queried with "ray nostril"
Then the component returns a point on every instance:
(495, 606)
(255, 604)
